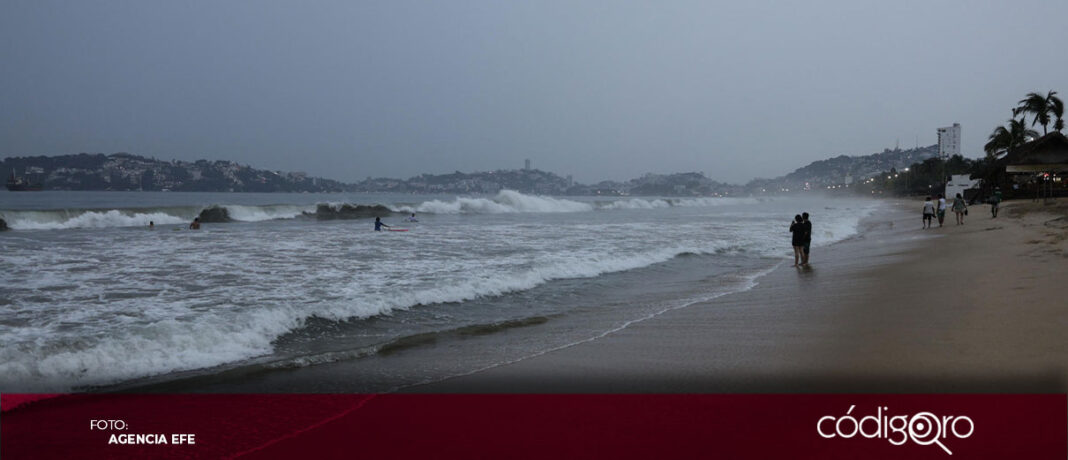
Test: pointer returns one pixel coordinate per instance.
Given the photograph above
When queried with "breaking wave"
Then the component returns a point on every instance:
(64, 219)
(214, 338)
(644, 203)
(174, 317)
(506, 201)
(269, 212)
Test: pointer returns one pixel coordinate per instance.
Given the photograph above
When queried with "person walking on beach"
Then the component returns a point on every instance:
(959, 208)
(797, 240)
(379, 224)
(995, 200)
(806, 242)
(941, 209)
(928, 212)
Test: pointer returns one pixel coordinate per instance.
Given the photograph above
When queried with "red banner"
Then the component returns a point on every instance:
(534, 426)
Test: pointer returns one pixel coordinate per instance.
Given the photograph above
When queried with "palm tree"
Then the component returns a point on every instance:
(1042, 107)
(998, 142)
(1056, 107)
(1004, 140)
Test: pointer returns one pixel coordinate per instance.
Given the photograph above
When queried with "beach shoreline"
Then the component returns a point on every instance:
(896, 309)
(891, 309)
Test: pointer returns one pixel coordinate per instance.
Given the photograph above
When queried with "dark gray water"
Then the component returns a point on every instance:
(91, 297)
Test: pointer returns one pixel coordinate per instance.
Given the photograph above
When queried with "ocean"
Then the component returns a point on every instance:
(91, 299)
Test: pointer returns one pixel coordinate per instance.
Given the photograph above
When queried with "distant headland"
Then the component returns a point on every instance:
(127, 172)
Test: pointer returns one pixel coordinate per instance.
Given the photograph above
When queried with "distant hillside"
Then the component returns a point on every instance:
(545, 183)
(840, 169)
(122, 171)
(521, 180)
(678, 184)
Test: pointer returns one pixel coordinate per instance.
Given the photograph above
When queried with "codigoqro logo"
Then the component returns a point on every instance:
(923, 428)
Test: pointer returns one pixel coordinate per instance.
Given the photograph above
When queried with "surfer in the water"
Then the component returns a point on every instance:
(196, 224)
(413, 219)
(379, 224)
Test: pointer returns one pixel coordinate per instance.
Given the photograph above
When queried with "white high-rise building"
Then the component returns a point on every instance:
(949, 141)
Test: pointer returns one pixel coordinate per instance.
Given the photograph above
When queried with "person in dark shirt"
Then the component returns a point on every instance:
(806, 230)
(995, 201)
(379, 224)
(797, 239)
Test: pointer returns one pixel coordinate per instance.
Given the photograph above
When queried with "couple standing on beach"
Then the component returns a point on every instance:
(801, 229)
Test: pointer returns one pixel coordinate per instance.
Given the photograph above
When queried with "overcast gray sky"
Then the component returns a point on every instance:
(601, 90)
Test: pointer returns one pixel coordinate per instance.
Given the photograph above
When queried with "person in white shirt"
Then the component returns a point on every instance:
(928, 212)
(941, 210)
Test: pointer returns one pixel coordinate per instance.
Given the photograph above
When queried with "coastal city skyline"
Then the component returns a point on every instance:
(346, 90)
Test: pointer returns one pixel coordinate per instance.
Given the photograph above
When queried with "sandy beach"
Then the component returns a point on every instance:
(971, 308)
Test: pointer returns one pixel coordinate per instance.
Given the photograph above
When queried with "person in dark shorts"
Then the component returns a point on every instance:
(928, 212)
(797, 240)
(806, 229)
(995, 201)
(941, 210)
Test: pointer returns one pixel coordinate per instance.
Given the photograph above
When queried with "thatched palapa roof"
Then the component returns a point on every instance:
(1048, 153)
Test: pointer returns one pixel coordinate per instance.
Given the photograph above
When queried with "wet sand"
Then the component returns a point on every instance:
(973, 308)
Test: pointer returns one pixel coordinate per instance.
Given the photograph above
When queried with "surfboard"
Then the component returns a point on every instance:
(397, 229)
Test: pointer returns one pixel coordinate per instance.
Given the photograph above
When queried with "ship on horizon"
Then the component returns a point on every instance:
(22, 184)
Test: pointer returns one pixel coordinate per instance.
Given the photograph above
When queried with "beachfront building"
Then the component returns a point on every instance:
(949, 141)
(964, 185)
(1038, 168)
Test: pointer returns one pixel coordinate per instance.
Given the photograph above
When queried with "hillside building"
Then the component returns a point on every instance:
(949, 141)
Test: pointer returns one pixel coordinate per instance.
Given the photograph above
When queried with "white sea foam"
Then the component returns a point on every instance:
(506, 201)
(56, 220)
(214, 338)
(509, 201)
(647, 203)
(691, 202)
(843, 224)
(269, 212)
(92, 218)
(637, 203)
(122, 305)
